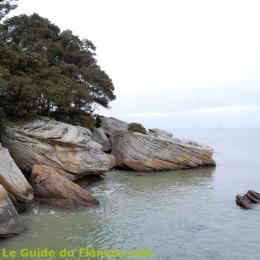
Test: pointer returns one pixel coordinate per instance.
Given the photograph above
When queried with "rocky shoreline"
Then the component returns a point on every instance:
(55, 155)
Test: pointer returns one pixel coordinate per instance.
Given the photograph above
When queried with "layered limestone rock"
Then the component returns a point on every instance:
(141, 152)
(53, 189)
(156, 132)
(111, 124)
(113, 162)
(100, 137)
(14, 181)
(67, 148)
(10, 222)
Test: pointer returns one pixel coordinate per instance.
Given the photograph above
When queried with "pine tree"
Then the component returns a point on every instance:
(45, 71)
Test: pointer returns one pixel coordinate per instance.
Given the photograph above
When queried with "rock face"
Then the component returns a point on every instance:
(113, 162)
(148, 153)
(111, 124)
(156, 132)
(100, 137)
(67, 148)
(10, 222)
(54, 189)
(14, 181)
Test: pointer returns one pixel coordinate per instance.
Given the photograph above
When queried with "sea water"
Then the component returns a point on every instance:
(182, 215)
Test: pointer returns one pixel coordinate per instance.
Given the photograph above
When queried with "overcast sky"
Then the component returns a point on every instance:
(185, 63)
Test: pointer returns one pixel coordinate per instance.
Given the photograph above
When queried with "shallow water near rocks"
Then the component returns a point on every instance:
(187, 214)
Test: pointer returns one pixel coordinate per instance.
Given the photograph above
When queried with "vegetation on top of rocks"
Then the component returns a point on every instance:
(85, 120)
(16, 120)
(138, 128)
(46, 71)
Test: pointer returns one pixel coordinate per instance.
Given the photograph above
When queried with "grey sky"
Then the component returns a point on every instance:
(174, 64)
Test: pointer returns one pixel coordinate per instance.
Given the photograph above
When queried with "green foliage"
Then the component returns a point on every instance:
(84, 120)
(135, 127)
(2, 117)
(17, 120)
(45, 71)
(5, 7)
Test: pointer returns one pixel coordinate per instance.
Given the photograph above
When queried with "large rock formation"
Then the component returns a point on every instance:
(113, 162)
(141, 152)
(67, 148)
(160, 133)
(111, 124)
(14, 181)
(100, 137)
(53, 189)
(10, 222)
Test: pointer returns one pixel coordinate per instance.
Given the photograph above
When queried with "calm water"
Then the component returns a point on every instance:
(180, 215)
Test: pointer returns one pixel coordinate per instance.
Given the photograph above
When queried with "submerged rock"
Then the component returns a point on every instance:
(67, 148)
(14, 181)
(149, 153)
(10, 222)
(243, 202)
(100, 137)
(248, 199)
(53, 189)
(87, 180)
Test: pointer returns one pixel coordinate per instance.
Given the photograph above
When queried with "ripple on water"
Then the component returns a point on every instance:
(181, 215)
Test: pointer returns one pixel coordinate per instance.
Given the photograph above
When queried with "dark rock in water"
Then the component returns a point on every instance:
(54, 189)
(87, 180)
(10, 222)
(248, 199)
(254, 194)
(243, 202)
(251, 196)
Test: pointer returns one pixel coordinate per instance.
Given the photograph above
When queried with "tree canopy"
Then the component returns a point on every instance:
(45, 70)
(6, 6)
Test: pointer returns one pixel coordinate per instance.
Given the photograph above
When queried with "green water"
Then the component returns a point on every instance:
(179, 215)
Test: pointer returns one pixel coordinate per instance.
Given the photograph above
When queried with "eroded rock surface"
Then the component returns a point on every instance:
(53, 189)
(111, 124)
(247, 200)
(14, 181)
(10, 222)
(100, 137)
(148, 153)
(67, 148)
(156, 132)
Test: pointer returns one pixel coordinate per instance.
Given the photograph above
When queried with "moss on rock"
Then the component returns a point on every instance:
(138, 128)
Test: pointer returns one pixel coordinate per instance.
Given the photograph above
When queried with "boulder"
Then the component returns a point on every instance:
(53, 189)
(111, 124)
(156, 132)
(148, 153)
(67, 148)
(113, 162)
(244, 202)
(99, 136)
(10, 222)
(14, 181)
(253, 196)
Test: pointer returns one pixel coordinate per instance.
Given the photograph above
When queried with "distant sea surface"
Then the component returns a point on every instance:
(182, 215)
